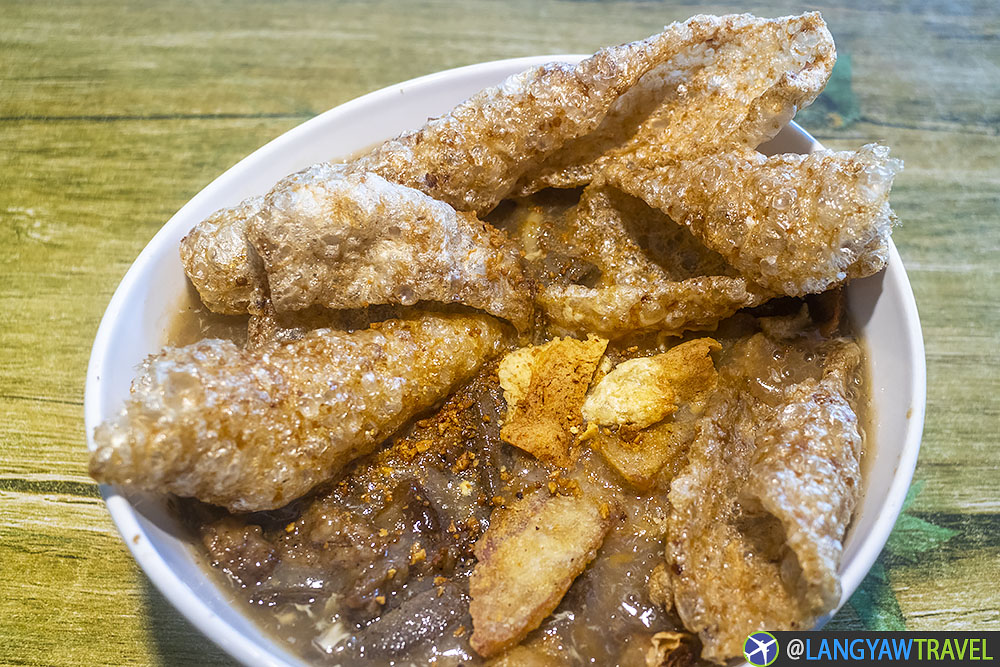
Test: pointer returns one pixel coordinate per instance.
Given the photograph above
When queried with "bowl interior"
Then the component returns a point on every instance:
(137, 318)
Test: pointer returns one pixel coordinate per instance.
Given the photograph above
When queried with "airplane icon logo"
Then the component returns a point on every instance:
(760, 649)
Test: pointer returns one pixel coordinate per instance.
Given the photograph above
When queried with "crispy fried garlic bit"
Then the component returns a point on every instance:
(759, 515)
(255, 430)
(735, 85)
(654, 274)
(640, 392)
(544, 387)
(358, 240)
(528, 557)
(686, 373)
(795, 224)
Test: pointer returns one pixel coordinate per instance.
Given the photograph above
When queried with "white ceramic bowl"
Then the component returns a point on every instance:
(136, 321)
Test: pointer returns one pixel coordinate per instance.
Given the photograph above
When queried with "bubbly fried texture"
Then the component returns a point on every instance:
(473, 156)
(736, 84)
(544, 387)
(807, 473)
(654, 275)
(747, 554)
(794, 224)
(640, 392)
(221, 264)
(527, 559)
(255, 430)
(470, 158)
(356, 240)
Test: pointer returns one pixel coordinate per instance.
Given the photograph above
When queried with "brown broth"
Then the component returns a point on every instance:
(327, 604)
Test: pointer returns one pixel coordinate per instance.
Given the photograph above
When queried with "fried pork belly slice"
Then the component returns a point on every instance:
(527, 559)
(544, 387)
(794, 224)
(358, 240)
(759, 515)
(654, 274)
(738, 86)
(640, 392)
(253, 430)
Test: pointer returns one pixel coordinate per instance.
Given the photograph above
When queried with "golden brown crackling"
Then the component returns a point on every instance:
(353, 240)
(253, 430)
(647, 454)
(469, 158)
(736, 87)
(545, 387)
(793, 224)
(643, 391)
(654, 274)
(748, 554)
(527, 559)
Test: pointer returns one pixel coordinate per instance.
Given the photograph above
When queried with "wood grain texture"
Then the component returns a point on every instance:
(112, 116)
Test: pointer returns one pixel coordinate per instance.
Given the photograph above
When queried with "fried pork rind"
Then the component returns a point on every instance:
(221, 264)
(654, 274)
(759, 514)
(473, 156)
(528, 557)
(737, 85)
(253, 430)
(544, 387)
(640, 392)
(794, 224)
(356, 240)
(470, 158)
(653, 455)
(347, 241)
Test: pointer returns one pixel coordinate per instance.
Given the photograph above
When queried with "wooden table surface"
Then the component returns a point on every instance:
(112, 116)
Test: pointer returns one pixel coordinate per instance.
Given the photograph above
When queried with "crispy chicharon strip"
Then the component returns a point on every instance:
(253, 430)
(794, 224)
(356, 240)
(349, 240)
(748, 553)
(528, 558)
(654, 274)
(471, 157)
(738, 87)
(221, 264)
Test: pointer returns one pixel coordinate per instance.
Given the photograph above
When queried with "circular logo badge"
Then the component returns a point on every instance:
(760, 649)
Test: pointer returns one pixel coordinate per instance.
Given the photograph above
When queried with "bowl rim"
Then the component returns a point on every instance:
(216, 629)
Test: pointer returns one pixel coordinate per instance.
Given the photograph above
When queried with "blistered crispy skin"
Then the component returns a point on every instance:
(794, 224)
(470, 158)
(748, 554)
(356, 240)
(253, 430)
(807, 473)
(654, 274)
(544, 387)
(528, 558)
(737, 86)
(221, 264)
(473, 156)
